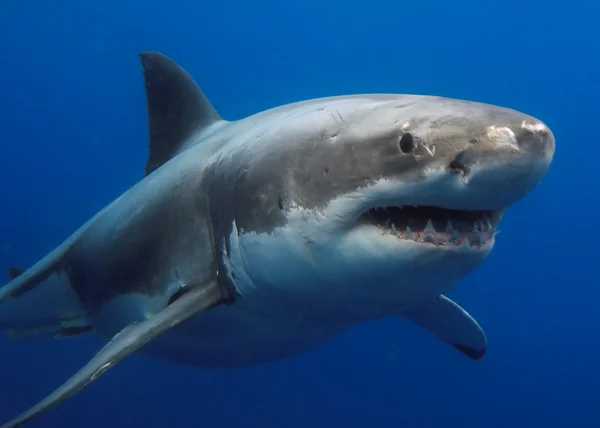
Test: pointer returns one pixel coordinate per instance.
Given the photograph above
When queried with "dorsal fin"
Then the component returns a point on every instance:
(177, 107)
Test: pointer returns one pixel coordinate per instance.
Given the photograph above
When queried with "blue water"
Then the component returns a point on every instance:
(73, 136)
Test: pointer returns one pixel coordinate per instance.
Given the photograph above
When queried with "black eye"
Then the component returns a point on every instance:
(406, 143)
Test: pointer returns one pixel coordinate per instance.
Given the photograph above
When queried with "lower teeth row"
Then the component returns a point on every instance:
(442, 238)
(482, 232)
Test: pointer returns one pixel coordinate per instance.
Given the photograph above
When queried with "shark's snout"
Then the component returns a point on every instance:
(522, 143)
(536, 139)
(506, 162)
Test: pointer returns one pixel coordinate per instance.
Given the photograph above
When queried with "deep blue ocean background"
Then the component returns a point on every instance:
(73, 136)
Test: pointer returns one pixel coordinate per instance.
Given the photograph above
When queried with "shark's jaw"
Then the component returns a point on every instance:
(435, 226)
(435, 215)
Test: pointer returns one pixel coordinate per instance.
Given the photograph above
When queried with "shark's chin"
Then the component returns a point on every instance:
(380, 271)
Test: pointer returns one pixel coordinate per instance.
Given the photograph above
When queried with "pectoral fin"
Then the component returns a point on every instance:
(449, 322)
(124, 343)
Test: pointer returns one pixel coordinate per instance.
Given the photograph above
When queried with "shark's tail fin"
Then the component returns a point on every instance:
(39, 301)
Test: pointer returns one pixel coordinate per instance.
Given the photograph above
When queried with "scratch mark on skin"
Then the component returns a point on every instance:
(341, 118)
(431, 150)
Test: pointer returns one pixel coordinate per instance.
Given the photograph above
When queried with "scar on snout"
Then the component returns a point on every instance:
(533, 127)
(502, 134)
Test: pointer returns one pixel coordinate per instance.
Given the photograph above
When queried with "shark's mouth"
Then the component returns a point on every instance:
(435, 226)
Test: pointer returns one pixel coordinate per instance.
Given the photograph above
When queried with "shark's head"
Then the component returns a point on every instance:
(372, 201)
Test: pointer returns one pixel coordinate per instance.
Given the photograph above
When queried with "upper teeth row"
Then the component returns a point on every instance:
(478, 226)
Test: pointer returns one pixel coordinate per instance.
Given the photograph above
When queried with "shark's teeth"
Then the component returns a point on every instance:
(457, 230)
(480, 235)
(429, 226)
(475, 239)
(488, 223)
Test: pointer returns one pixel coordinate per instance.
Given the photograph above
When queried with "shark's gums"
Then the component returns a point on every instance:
(253, 240)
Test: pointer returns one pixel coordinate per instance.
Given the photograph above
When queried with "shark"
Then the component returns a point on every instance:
(253, 240)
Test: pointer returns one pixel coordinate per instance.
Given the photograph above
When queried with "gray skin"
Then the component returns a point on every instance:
(251, 230)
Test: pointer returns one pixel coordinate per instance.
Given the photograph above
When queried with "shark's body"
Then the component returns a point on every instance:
(275, 233)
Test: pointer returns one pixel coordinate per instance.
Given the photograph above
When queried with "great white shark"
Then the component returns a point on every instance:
(253, 240)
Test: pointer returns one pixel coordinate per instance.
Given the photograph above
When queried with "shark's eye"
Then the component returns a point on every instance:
(406, 143)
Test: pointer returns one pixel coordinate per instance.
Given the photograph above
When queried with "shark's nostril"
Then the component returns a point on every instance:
(457, 165)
